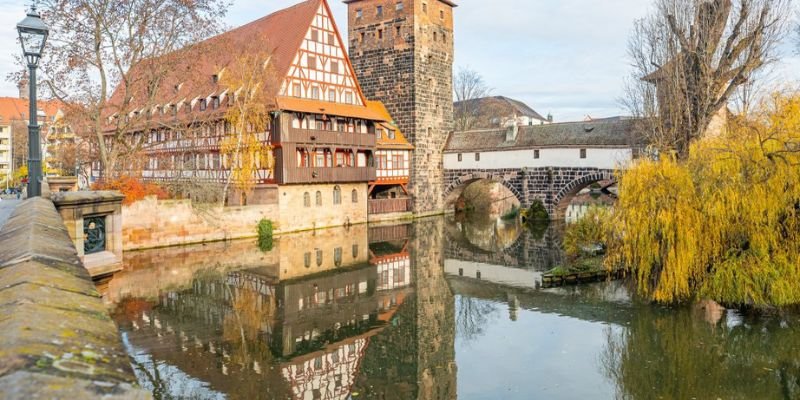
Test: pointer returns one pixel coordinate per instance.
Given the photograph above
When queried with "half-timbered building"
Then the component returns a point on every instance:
(321, 135)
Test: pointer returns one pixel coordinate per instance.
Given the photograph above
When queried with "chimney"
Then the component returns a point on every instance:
(550, 118)
(23, 87)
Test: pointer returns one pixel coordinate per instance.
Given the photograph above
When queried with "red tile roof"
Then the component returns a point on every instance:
(191, 69)
(384, 142)
(16, 109)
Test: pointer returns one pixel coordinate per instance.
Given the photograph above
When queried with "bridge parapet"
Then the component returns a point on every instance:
(58, 340)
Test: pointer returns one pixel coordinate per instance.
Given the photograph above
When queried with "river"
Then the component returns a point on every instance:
(436, 309)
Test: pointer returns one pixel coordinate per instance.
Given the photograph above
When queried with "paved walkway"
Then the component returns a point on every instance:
(6, 208)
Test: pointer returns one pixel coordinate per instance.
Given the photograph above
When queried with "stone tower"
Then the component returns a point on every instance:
(402, 52)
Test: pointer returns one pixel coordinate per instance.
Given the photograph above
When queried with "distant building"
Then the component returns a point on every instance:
(14, 120)
(497, 112)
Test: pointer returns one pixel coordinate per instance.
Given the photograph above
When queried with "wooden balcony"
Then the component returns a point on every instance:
(323, 138)
(327, 175)
(388, 206)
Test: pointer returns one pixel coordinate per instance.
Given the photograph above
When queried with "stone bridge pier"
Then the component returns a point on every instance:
(553, 186)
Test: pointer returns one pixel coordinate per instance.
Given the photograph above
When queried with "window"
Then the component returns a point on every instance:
(319, 257)
(215, 78)
(380, 33)
(583, 153)
(441, 14)
(399, 6)
(379, 11)
(306, 200)
(460, 157)
(348, 98)
(536, 154)
(203, 104)
(382, 161)
(296, 91)
(337, 195)
(361, 36)
(424, 7)
(331, 95)
(315, 35)
(354, 196)
(379, 133)
(315, 92)
(312, 62)
(337, 256)
(359, 13)
(334, 67)
(319, 198)
(307, 259)
(397, 31)
(477, 156)
(434, 36)
(397, 161)
(331, 39)
(214, 102)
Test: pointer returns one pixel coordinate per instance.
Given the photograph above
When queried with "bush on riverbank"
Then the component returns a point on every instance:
(265, 232)
(132, 188)
(588, 232)
(724, 223)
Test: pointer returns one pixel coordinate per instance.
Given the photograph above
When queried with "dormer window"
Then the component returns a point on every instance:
(174, 109)
(215, 78)
(203, 104)
(214, 103)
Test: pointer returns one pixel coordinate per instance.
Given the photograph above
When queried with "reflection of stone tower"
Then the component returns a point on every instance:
(435, 313)
(402, 52)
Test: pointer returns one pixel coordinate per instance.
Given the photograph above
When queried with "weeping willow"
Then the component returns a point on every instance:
(723, 224)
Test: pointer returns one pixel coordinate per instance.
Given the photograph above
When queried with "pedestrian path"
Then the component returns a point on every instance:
(6, 208)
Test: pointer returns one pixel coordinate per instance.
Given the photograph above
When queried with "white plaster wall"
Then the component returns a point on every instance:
(603, 158)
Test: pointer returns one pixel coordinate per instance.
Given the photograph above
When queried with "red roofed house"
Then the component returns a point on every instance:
(14, 115)
(322, 131)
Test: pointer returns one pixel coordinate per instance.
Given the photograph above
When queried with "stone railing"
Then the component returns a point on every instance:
(56, 337)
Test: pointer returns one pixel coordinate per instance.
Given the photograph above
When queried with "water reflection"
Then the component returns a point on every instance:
(431, 310)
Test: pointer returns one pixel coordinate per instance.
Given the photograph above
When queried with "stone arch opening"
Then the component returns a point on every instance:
(564, 197)
(455, 191)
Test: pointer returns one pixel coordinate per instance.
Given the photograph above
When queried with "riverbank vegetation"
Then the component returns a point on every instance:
(722, 224)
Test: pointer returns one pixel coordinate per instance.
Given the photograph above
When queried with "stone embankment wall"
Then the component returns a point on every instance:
(152, 223)
(57, 340)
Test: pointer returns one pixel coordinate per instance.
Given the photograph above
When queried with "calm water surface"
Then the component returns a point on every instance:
(438, 309)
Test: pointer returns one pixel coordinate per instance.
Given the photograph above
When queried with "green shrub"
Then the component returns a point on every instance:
(536, 212)
(265, 229)
(513, 213)
(587, 232)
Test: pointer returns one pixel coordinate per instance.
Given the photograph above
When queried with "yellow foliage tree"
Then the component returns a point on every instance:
(250, 81)
(724, 223)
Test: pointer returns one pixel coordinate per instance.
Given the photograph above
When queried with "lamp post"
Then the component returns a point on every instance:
(32, 36)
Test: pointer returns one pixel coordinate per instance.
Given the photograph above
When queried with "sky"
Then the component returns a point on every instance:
(564, 57)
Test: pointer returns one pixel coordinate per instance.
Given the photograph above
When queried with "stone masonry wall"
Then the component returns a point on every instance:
(404, 58)
(550, 185)
(58, 341)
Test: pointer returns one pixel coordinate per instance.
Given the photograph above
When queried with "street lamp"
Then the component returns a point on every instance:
(33, 35)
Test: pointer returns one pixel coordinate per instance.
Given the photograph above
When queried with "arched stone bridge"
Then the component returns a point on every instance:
(551, 163)
(554, 186)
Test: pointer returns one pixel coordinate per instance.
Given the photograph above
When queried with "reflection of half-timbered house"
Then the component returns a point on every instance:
(322, 133)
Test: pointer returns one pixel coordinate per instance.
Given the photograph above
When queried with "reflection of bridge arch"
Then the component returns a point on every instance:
(456, 188)
(563, 198)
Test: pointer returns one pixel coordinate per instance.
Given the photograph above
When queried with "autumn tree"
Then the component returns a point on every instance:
(468, 85)
(251, 80)
(723, 224)
(689, 58)
(95, 45)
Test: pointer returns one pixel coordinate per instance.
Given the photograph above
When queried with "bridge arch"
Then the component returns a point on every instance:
(455, 189)
(563, 198)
